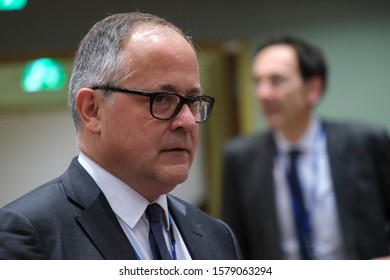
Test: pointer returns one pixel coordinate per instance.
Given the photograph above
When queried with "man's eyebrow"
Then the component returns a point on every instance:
(196, 91)
(171, 88)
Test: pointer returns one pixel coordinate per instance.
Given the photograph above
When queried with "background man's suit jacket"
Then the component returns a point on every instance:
(70, 218)
(359, 158)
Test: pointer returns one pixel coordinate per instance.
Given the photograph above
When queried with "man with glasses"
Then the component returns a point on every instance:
(136, 101)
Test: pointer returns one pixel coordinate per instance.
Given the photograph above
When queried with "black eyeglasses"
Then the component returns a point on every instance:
(166, 105)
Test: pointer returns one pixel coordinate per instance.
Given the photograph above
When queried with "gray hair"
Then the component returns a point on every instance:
(100, 59)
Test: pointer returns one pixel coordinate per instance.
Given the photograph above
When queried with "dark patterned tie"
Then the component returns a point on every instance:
(301, 215)
(156, 236)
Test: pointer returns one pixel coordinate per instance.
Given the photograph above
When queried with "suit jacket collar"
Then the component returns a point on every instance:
(101, 225)
(96, 216)
(338, 152)
(262, 191)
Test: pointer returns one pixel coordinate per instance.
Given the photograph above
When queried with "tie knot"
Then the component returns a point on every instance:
(153, 212)
(294, 153)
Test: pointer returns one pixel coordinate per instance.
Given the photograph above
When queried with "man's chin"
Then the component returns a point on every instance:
(176, 174)
(273, 122)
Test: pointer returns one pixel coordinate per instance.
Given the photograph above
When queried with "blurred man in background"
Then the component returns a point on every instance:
(308, 188)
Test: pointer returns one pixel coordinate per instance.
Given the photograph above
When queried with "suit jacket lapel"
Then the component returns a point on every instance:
(96, 216)
(192, 233)
(103, 228)
(337, 146)
(263, 190)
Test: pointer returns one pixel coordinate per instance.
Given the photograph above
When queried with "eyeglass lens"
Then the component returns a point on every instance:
(166, 106)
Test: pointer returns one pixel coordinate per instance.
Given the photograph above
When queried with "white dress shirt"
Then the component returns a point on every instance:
(317, 190)
(129, 207)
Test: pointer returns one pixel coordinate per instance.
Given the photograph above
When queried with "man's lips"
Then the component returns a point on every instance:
(270, 108)
(176, 150)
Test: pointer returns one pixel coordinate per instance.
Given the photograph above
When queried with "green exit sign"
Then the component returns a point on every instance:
(11, 5)
(44, 74)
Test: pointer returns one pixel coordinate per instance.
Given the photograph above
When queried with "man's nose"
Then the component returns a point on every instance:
(264, 91)
(186, 117)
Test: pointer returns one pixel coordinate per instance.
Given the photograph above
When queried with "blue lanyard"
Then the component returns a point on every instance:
(319, 144)
(173, 240)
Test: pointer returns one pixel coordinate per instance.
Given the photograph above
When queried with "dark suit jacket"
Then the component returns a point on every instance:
(70, 218)
(359, 158)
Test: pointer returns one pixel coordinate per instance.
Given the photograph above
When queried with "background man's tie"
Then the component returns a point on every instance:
(156, 236)
(301, 215)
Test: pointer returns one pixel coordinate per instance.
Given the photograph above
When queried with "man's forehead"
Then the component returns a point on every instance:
(278, 58)
(153, 33)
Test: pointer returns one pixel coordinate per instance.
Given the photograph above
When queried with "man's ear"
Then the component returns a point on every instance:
(314, 88)
(88, 106)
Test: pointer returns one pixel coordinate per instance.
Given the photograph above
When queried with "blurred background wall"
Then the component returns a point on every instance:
(36, 132)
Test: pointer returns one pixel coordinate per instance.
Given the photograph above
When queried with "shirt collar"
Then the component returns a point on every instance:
(304, 144)
(126, 203)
